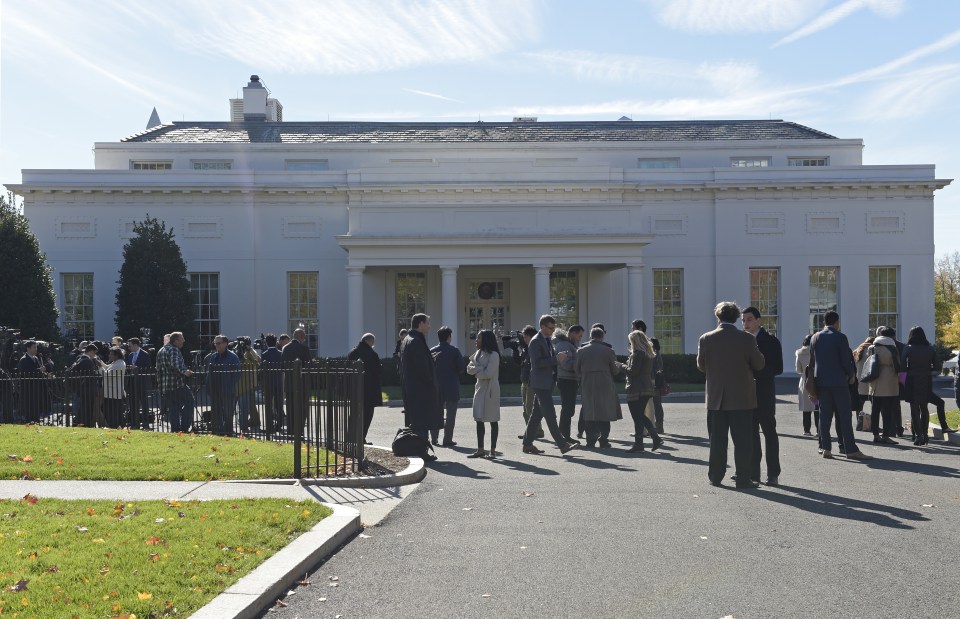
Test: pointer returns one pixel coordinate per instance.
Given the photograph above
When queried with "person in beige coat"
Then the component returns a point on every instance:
(729, 357)
(595, 366)
(485, 365)
(885, 390)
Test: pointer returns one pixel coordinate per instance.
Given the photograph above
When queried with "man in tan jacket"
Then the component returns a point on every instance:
(729, 357)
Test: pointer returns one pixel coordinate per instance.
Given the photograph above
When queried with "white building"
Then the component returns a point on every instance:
(349, 227)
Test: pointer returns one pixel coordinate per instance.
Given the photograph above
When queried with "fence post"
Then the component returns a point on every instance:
(296, 382)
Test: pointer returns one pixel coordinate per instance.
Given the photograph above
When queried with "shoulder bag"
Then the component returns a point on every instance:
(871, 367)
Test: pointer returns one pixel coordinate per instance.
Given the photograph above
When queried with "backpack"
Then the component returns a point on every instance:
(408, 444)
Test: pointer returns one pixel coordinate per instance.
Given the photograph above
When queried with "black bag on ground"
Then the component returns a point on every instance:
(408, 444)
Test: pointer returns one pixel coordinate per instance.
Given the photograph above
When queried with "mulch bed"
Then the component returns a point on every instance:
(381, 462)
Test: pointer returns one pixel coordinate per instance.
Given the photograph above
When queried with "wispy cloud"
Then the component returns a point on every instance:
(433, 95)
(719, 16)
(357, 36)
(584, 64)
(910, 95)
(887, 8)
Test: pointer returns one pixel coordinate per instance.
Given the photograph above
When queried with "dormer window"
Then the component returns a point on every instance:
(151, 165)
(750, 162)
(222, 164)
(808, 162)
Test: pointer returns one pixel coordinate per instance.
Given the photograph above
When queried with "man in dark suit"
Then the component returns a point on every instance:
(834, 370)
(449, 364)
(272, 366)
(30, 371)
(87, 373)
(139, 368)
(543, 377)
(421, 400)
(764, 416)
(295, 350)
(729, 357)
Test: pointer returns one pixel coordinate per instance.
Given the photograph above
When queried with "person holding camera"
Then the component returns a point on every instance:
(249, 417)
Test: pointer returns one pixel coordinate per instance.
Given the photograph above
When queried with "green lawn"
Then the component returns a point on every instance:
(512, 390)
(146, 558)
(43, 452)
(953, 418)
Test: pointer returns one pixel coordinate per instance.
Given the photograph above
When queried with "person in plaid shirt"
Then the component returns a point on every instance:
(171, 372)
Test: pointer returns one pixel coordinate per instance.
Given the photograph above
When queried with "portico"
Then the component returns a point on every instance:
(486, 280)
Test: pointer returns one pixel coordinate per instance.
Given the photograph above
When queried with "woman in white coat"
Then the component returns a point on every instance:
(485, 365)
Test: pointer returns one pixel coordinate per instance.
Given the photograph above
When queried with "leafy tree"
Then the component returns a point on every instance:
(153, 290)
(946, 296)
(27, 301)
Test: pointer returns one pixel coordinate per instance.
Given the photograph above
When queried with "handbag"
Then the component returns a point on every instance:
(809, 381)
(409, 444)
(871, 368)
(665, 389)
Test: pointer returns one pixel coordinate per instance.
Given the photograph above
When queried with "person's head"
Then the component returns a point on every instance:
(116, 340)
(421, 323)
(639, 325)
(597, 325)
(727, 311)
(134, 343)
(90, 350)
(528, 332)
(548, 324)
(300, 335)
(176, 338)
(916, 336)
(575, 334)
(369, 339)
(655, 343)
(638, 341)
(116, 353)
(597, 333)
(283, 340)
(403, 333)
(806, 340)
(751, 319)
(444, 333)
(166, 339)
(31, 347)
(886, 332)
(220, 343)
(270, 340)
(486, 341)
(831, 319)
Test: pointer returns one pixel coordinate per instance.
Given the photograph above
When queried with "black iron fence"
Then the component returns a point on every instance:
(317, 406)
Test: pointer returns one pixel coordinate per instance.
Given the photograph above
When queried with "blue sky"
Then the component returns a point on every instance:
(888, 71)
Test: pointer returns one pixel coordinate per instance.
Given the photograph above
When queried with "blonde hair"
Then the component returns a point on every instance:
(638, 340)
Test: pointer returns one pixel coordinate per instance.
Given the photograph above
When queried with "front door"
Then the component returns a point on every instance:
(487, 307)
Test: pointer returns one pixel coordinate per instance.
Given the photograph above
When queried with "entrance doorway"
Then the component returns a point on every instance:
(487, 307)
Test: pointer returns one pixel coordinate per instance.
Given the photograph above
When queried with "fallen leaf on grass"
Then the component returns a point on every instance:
(154, 541)
(159, 520)
(82, 529)
(28, 458)
(29, 498)
(210, 456)
(13, 457)
(143, 596)
(53, 569)
(20, 585)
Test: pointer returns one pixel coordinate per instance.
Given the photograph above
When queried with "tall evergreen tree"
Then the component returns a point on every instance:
(26, 288)
(153, 290)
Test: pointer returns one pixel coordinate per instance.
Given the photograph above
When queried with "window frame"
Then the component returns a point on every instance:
(792, 162)
(874, 300)
(566, 318)
(668, 328)
(151, 165)
(763, 303)
(310, 321)
(207, 327)
(404, 309)
(815, 313)
(87, 320)
(759, 162)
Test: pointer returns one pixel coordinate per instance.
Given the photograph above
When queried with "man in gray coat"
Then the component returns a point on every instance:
(543, 377)
(596, 365)
(729, 357)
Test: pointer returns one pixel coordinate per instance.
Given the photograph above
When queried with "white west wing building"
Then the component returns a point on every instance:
(348, 227)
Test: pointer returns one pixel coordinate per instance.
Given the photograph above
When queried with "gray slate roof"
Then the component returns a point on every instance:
(473, 132)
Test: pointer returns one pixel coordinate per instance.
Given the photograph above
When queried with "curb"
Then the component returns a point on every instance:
(515, 401)
(250, 595)
(952, 438)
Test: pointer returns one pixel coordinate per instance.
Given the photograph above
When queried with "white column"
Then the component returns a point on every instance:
(355, 305)
(448, 297)
(635, 294)
(541, 289)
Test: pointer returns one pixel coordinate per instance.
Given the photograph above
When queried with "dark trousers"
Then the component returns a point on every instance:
(737, 424)
(598, 430)
(941, 410)
(224, 405)
(836, 401)
(658, 412)
(815, 414)
(920, 418)
(449, 421)
(113, 412)
(273, 405)
(568, 404)
(180, 405)
(367, 418)
(137, 402)
(884, 407)
(765, 420)
(86, 415)
(494, 432)
(543, 409)
(640, 421)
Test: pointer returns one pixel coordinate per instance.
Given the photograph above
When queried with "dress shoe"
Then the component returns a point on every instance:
(750, 485)
(877, 439)
(826, 454)
(368, 442)
(637, 447)
(579, 434)
(591, 445)
(478, 454)
(568, 447)
(435, 443)
(430, 458)
(807, 434)
(886, 440)
(657, 444)
(715, 483)
(773, 481)
(530, 449)
(858, 455)
(605, 444)
(449, 444)
(491, 455)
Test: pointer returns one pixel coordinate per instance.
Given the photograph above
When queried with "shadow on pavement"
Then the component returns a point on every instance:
(455, 469)
(524, 467)
(914, 467)
(841, 507)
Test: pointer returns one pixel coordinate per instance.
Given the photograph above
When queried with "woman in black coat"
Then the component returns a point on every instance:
(920, 361)
(372, 378)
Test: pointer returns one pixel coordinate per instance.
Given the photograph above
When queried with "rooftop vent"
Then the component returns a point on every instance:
(524, 119)
(255, 104)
